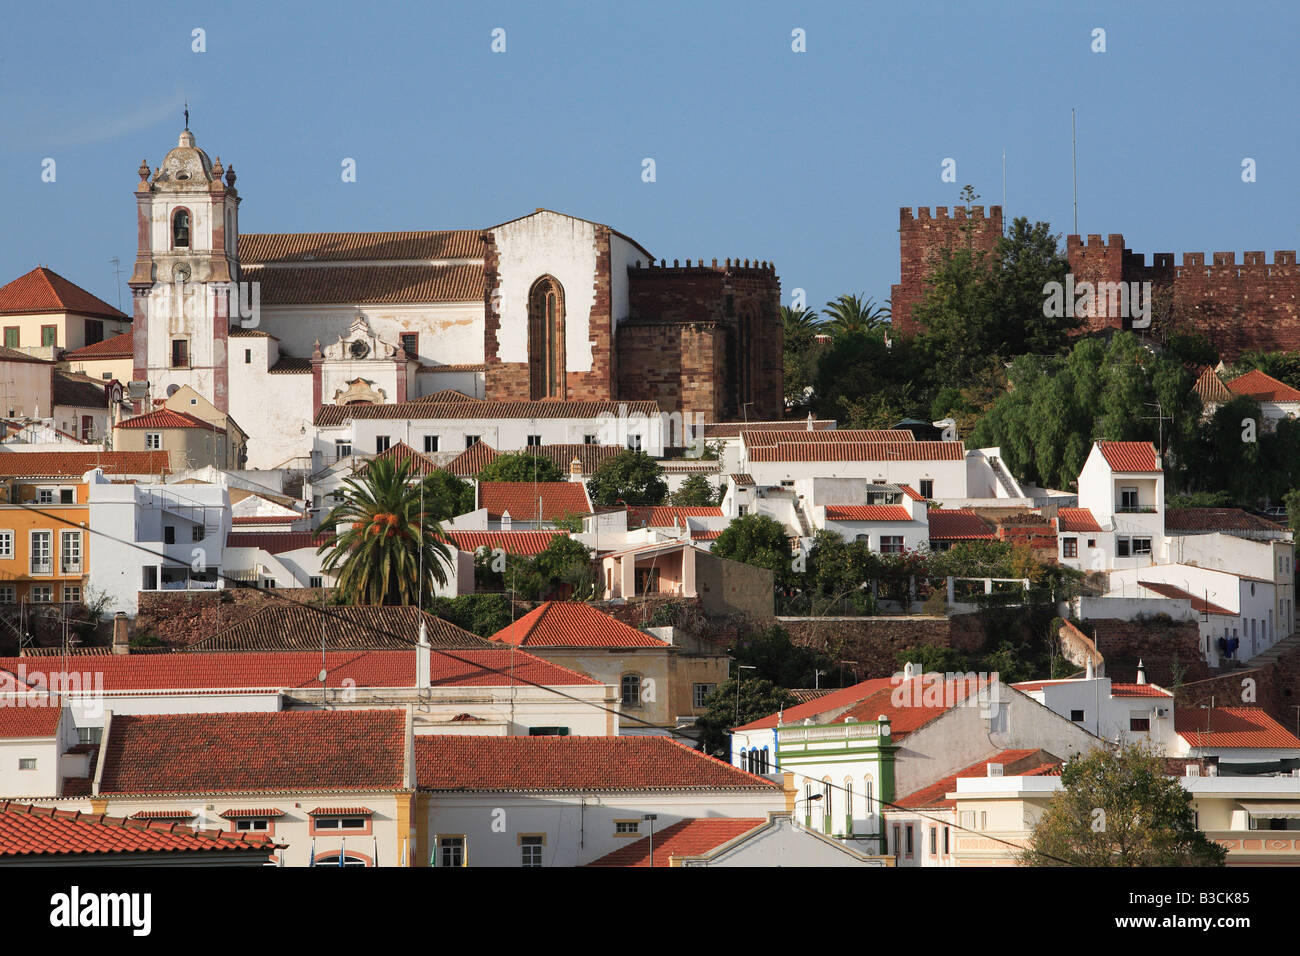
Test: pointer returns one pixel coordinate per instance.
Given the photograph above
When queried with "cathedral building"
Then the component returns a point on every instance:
(544, 308)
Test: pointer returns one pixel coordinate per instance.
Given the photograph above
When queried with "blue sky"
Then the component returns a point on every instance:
(760, 152)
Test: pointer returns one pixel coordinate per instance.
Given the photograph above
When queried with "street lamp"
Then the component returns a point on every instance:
(652, 817)
(813, 798)
(854, 665)
(739, 668)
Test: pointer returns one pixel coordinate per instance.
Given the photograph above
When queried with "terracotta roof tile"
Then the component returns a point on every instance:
(38, 716)
(1232, 727)
(44, 290)
(1209, 520)
(1014, 763)
(290, 365)
(346, 627)
(521, 498)
(371, 284)
(824, 707)
(275, 542)
(690, 837)
(68, 464)
(115, 346)
(1130, 456)
(472, 460)
(1263, 388)
(910, 705)
(328, 415)
(830, 436)
(868, 513)
(733, 429)
(348, 749)
(526, 543)
(167, 418)
(447, 395)
(341, 812)
(572, 624)
(957, 524)
(253, 814)
(77, 390)
(27, 830)
(1138, 690)
(742, 479)
(669, 516)
(266, 247)
(859, 451)
(1076, 519)
(488, 667)
(1211, 388)
(420, 464)
(581, 764)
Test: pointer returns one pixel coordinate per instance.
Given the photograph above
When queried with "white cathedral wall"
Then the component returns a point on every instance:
(547, 243)
(275, 410)
(450, 333)
(622, 254)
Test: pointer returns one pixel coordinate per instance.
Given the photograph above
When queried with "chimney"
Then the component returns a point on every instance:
(1091, 672)
(995, 769)
(1142, 673)
(121, 639)
(505, 521)
(810, 422)
(575, 469)
(909, 671)
(423, 657)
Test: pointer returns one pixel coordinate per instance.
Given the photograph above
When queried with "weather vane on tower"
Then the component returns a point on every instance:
(187, 114)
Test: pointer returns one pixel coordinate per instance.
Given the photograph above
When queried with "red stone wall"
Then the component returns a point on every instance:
(923, 238)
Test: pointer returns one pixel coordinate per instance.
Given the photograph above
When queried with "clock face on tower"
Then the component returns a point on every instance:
(181, 273)
(359, 349)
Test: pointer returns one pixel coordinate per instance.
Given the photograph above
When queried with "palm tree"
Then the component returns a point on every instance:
(800, 323)
(854, 313)
(381, 533)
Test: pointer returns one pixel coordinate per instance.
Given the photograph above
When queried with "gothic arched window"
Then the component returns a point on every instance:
(181, 229)
(546, 339)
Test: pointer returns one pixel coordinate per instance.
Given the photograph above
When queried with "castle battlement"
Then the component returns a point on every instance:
(959, 213)
(729, 267)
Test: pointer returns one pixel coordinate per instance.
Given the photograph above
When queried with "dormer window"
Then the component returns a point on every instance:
(181, 229)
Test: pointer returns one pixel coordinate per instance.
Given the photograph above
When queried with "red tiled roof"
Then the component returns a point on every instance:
(742, 479)
(44, 290)
(472, 460)
(933, 797)
(1138, 690)
(328, 415)
(829, 703)
(447, 395)
(1226, 520)
(733, 429)
(267, 247)
(705, 535)
(67, 464)
(690, 837)
(164, 815)
(957, 524)
(1263, 388)
(284, 627)
(341, 812)
(266, 519)
(859, 451)
(838, 436)
(489, 667)
(912, 493)
(28, 831)
(1232, 727)
(572, 624)
(668, 516)
(867, 513)
(38, 717)
(167, 418)
(1211, 388)
(275, 542)
(115, 346)
(520, 498)
(1198, 603)
(910, 705)
(402, 453)
(1076, 519)
(290, 365)
(253, 814)
(527, 543)
(1129, 456)
(78, 390)
(583, 764)
(350, 749)
(287, 285)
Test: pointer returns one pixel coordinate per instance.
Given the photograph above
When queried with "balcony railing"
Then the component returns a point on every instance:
(70, 566)
(42, 566)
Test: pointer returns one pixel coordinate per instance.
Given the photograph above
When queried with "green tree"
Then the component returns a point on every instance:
(381, 537)
(1120, 809)
(1283, 366)
(632, 477)
(696, 491)
(446, 496)
(482, 614)
(759, 541)
(801, 352)
(780, 660)
(758, 698)
(521, 466)
(855, 313)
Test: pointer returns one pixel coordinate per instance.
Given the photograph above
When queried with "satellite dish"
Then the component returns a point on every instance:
(172, 390)
(322, 675)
